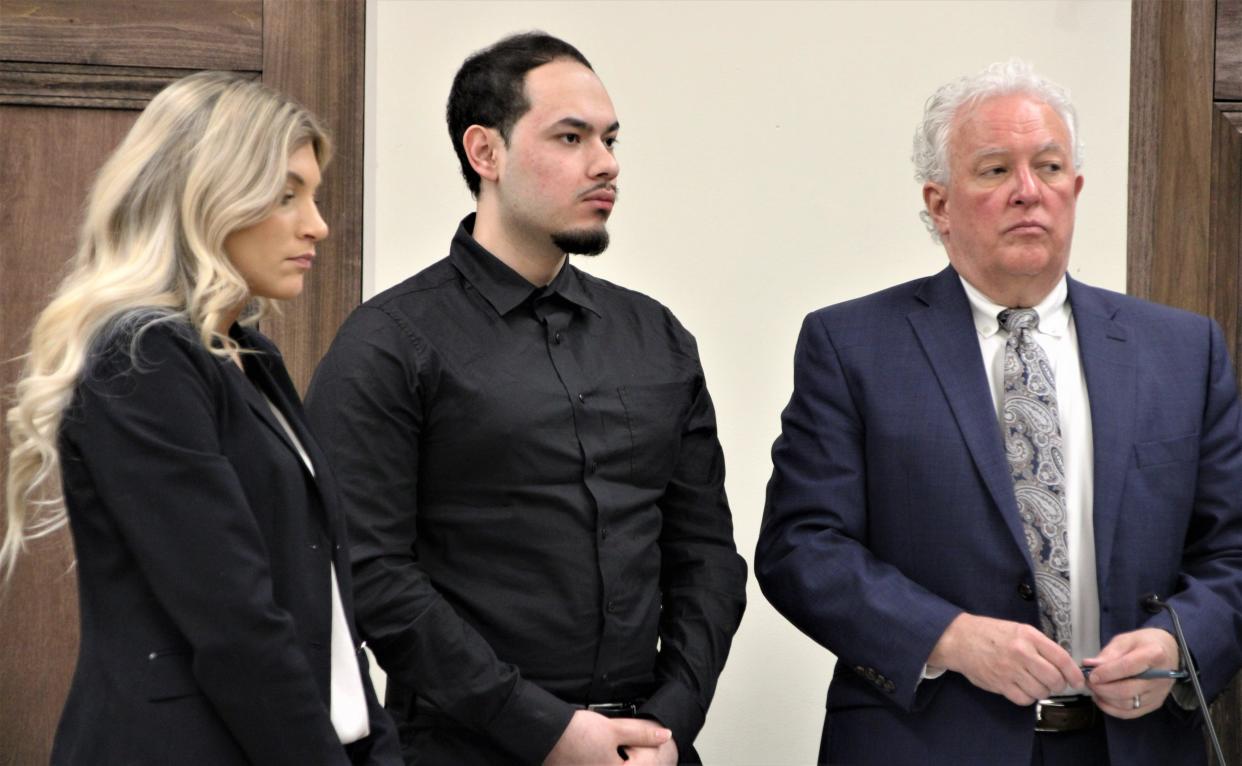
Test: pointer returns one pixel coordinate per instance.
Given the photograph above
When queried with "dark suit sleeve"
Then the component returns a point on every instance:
(366, 405)
(703, 579)
(1208, 596)
(812, 559)
(148, 438)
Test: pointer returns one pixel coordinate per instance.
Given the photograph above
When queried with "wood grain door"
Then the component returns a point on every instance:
(73, 76)
(1185, 216)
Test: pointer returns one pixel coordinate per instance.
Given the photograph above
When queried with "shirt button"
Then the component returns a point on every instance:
(612, 606)
(314, 546)
(604, 533)
(592, 467)
(556, 338)
(604, 677)
(582, 398)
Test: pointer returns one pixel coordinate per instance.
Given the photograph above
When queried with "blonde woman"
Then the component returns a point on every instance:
(215, 592)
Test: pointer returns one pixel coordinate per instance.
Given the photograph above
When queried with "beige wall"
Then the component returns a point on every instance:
(765, 173)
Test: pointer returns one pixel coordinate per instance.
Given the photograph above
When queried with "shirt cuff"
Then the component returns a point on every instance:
(930, 673)
(530, 723)
(677, 709)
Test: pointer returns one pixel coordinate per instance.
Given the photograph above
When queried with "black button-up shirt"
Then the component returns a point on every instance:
(535, 492)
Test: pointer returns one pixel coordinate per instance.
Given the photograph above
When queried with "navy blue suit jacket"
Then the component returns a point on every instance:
(891, 510)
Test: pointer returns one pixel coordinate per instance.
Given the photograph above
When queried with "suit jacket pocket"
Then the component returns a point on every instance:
(169, 676)
(1165, 451)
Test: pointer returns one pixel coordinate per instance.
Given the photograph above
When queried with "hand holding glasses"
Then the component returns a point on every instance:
(1147, 675)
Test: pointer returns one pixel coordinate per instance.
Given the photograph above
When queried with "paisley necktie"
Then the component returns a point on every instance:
(1033, 446)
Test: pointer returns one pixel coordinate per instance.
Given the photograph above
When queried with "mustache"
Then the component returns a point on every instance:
(608, 186)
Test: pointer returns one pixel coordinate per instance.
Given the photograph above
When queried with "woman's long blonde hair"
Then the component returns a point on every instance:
(208, 156)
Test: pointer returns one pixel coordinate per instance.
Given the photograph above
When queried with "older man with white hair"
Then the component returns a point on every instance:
(982, 475)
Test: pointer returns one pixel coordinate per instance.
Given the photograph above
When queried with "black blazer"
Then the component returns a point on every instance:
(203, 548)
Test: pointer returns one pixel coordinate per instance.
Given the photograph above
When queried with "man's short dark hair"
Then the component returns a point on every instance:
(490, 88)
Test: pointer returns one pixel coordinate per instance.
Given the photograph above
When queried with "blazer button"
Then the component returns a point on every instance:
(1026, 592)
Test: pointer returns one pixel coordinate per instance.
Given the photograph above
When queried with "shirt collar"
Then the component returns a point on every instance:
(1053, 310)
(570, 285)
(501, 286)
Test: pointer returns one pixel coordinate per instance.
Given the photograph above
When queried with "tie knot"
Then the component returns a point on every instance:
(1014, 320)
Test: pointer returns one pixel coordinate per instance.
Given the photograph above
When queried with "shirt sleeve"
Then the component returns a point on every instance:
(703, 579)
(366, 404)
(146, 434)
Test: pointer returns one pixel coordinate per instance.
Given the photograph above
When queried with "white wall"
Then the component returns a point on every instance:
(765, 173)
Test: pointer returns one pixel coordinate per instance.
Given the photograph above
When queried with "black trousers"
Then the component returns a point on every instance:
(1077, 748)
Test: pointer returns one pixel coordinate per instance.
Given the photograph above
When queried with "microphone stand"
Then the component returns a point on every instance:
(1154, 604)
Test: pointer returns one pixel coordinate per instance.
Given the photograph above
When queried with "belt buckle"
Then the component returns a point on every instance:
(1064, 714)
(1040, 707)
(614, 709)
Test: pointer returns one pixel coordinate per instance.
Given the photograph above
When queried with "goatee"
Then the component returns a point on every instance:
(581, 241)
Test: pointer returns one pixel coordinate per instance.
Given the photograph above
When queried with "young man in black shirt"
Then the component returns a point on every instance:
(543, 552)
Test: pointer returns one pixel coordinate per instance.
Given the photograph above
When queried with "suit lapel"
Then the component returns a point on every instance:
(946, 331)
(267, 378)
(258, 405)
(286, 397)
(1107, 355)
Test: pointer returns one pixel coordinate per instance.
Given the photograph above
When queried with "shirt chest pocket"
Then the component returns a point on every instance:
(655, 416)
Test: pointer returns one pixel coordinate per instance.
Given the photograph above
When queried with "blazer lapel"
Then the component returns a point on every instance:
(258, 404)
(1108, 364)
(280, 388)
(286, 397)
(266, 377)
(946, 331)
(270, 375)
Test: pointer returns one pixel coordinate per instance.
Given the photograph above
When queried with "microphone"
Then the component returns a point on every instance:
(1153, 604)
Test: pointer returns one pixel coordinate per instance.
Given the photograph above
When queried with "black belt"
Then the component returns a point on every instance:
(614, 709)
(1062, 714)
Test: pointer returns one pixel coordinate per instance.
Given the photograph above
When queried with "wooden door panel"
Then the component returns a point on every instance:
(1170, 128)
(193, 34)
(1229, 50)
(313, 52)
(111, 87)
(1226, 222)
(47, 162)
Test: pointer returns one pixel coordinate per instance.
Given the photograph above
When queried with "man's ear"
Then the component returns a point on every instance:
(936, 199)
(483, 147)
